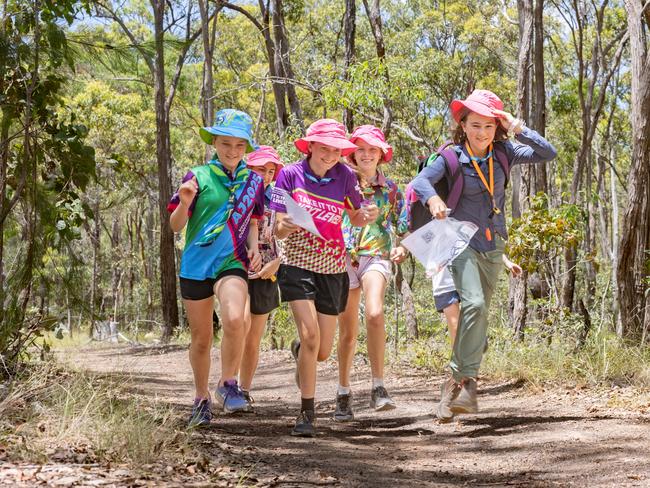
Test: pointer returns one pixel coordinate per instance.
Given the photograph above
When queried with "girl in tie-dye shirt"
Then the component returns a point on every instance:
(369, 252)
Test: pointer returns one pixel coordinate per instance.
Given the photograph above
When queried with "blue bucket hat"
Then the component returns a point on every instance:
(233, 123)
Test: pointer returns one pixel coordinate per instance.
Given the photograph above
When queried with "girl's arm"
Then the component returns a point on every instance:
(423, 183)
(363, 216)
(284, 226)
(532, 147)
(252, 244)
(186, 193)
(514, 268)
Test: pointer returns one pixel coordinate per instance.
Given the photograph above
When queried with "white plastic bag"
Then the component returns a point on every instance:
(439, 242)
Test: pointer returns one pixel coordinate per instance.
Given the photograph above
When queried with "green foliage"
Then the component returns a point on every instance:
(543, 231)
(47, 162)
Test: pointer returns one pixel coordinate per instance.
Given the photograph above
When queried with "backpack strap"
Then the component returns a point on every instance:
(502, 159)
(454, 175)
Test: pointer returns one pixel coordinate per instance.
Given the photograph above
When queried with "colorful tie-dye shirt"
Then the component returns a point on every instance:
(375, 239)
(213, 204)
(266, 242)
(326, 199)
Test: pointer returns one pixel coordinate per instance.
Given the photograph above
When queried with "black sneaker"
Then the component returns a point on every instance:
(304, 424)
(343, 412)
(380, 400)
(249, 400)
(295, 349)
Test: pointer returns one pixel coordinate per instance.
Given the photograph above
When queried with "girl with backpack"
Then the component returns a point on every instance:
(478, 184)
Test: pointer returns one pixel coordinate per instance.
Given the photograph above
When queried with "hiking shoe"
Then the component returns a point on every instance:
(466, 401)
(232, 398)
(304, 424)
(380, 400)
(201, 413)
(295, 349)
(449, 391)
(343, 411)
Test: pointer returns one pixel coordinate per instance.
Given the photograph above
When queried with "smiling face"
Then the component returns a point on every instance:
(480, 132)
(323, 157)
(230, 150)
(367, 157)
(267, 172)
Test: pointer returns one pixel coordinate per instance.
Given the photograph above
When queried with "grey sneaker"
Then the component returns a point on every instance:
(304, 424)
(466, 401)
(295, 349)
(343, 412)
(380, 400)
(449, 391)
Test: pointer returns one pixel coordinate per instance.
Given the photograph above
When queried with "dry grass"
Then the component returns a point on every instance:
(53, 413)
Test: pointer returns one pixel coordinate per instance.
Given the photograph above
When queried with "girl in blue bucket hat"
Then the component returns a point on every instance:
(218, 203)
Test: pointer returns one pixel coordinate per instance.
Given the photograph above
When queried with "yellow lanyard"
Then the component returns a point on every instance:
(490, 187)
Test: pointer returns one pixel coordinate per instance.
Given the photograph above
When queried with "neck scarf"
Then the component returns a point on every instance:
(232, 184)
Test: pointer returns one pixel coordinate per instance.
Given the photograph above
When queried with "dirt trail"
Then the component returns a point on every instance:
(561, 437)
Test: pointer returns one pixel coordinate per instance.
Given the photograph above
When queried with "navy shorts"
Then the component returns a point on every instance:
(445, 299)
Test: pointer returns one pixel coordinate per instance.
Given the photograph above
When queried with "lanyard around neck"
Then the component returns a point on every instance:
(488, 187)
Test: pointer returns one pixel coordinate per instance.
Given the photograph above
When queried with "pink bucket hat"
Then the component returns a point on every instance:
(375, 137)
(482, 102)
(265, 154)
(328, 132)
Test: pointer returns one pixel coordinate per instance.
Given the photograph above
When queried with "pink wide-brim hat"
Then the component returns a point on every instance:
(482, 102)
(375, 137)
(328, 132)
(265, 154)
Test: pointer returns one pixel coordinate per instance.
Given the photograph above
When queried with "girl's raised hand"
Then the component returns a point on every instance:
(505, 118)
(187, 191)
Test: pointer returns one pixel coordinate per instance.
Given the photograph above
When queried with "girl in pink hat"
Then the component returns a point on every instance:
(313, 276)
(485, 155)
(262, 285)
(369, 268)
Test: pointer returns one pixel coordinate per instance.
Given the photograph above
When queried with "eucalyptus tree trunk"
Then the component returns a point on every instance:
(595, 71)
(349, 29)
(169, 303)
(283, 61)
(634, 262)
(374, 17)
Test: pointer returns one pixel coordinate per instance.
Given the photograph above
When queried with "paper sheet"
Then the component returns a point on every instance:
(300, 216)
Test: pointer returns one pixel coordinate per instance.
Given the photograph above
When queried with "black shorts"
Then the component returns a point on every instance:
(328, 291)
(265, 296)
(202, 289)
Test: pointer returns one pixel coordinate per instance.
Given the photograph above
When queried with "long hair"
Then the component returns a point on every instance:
(458, 134)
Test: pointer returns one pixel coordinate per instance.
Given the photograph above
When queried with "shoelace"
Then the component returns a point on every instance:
(344, 401)
(381, 392)
(232, 390)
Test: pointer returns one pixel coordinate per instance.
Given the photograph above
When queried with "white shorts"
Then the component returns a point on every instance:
(365, 264)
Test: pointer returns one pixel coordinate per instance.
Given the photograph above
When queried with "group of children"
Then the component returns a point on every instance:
(242, 246)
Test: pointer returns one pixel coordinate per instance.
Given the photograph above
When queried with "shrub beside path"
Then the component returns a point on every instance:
(562, 436)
